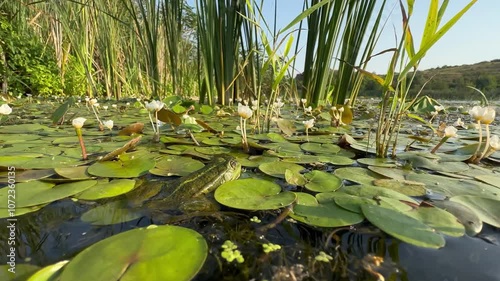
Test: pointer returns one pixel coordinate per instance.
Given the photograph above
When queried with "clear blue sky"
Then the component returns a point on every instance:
(475, 38)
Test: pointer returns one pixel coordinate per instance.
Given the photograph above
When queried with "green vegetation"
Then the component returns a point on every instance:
(449, 82)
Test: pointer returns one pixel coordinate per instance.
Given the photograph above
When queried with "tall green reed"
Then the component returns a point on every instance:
(405, 59)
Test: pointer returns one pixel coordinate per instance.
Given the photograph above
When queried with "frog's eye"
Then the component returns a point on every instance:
(233, 163)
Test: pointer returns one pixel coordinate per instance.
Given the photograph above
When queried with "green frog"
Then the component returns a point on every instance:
(188, 194)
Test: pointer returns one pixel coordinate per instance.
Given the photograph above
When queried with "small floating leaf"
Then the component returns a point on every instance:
(320, 181)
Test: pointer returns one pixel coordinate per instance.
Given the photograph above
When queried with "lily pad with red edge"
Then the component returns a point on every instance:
(154, 253)
(253, 194)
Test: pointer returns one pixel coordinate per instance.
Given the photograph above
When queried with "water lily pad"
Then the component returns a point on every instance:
(212, 150)
(487, 209)
(357, 174)
(278, 168)
(370, 191)
(48, 273)
(294, 178)
(454, 187)
(338, 160)
(253, 194)
(36, 192)
(22, 272)
(353, 203)
(325, 215)
(326, 148)
(423, 162)
(153, 253)
(438, 219)
(5, 213)
(30, 175)
(111, 213)
(320, 181)
(410, 188)
(74, 173)
(106, 189)
(465, 215)
(378, 162)
(490, 179)
(121, 169)
(176, 166)
(403, 227)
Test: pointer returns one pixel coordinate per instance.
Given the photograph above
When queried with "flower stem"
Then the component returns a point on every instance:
(487, 145)
(474, 156)
(443, 140)
(82, 145)
(152, 123)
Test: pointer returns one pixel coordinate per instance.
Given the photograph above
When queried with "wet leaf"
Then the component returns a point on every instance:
(320, 181)
(278, 168)
(153, 253)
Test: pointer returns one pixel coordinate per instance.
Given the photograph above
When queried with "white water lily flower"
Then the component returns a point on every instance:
(485, 115)
(5, 109)
(154, 105)
(244, 111)
(93, 102)
(255, 102)
(78, 122)
(108, 124)
(105, 107)
(114, 106)
(341, 109)
(489, 115)
(189, 119)
(438, 108)
(304, 101)
(309, 123)
(87, 99)
(96, 105)
(308, 109)
(450, 132)
(495, 142)
(459, 123)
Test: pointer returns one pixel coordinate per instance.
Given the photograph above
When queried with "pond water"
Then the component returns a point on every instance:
(361, 251)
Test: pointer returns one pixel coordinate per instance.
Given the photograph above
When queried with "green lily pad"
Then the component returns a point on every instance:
(353, 203)
(36, 192)
(5, 213)
(438, 219)
(253, 194)
(423, 162)
(403, 227)
(48, 273)
(294, 178)
(153, 253)
(465, 215)
(111, 213)
(371, 191)
(490, 179)
(22, 272)
(487, 209)
(121, 168)
(357, 175)
(31, 175)
(325, 215)
(318, 148)
(393, 173)
(74, 173)
(410, 188)
(320, 181)
(453, 187)
(378, 162)
(278, 168)
(338, 160)
(176, 166)
(107, 189)
(212, 150)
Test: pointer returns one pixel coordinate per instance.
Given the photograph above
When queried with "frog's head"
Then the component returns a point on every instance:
(233, 169)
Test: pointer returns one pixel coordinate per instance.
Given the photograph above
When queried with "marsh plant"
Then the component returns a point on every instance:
(78, 124)
(406, 58)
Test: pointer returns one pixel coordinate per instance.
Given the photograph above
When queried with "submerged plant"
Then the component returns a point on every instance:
(78, 124)
(270, 247)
